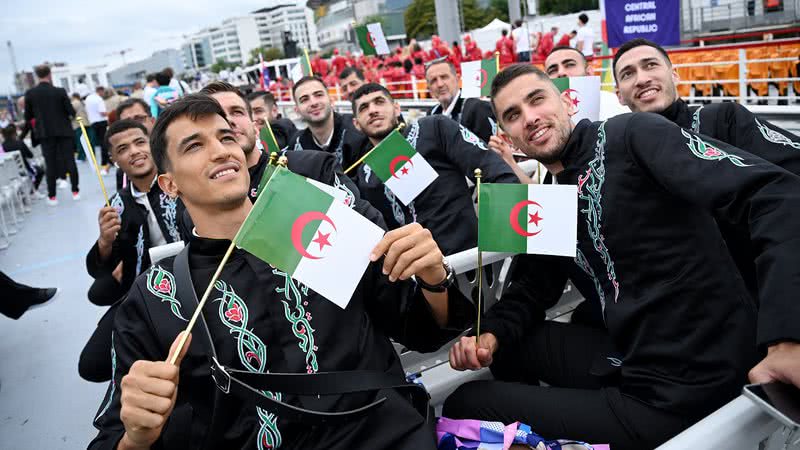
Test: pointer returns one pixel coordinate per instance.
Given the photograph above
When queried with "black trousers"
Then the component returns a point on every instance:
(57, 152)
(580, 403)
(100, 137)
(95, 361)
(16, 297)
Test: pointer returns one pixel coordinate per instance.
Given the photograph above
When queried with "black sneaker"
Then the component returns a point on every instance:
(43, 297)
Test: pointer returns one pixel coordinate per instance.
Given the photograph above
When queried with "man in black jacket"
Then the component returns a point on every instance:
(261, 320)
(52, 111)
(327, 130)
(262, 104)
(682, 330)
(475, 114)
(141, 216)
(646, 82)
(445, 207)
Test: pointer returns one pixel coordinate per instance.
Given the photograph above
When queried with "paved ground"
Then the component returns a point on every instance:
(44, 404)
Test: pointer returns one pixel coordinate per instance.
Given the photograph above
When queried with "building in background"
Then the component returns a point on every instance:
(69, 77)
(336, 19)
(295, 18)
(231, 42)
(137, 71)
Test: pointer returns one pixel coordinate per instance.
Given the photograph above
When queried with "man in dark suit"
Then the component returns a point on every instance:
(50, 110)
(473, 113)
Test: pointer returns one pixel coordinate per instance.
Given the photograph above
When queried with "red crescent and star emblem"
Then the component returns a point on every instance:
(322, 239)
(370, 41)
(534, 218)
(397, 160)
(484, 77)
(575, 98)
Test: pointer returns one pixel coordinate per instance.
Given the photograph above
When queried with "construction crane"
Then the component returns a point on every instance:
(120, 53)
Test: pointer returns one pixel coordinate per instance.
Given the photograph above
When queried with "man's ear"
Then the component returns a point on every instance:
(396, 109)
(589, 69)
(619, 97)
(568, 105)
(355, 124)
(167, 184)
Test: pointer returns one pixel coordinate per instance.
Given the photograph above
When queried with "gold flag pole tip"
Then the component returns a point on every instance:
(283, 161)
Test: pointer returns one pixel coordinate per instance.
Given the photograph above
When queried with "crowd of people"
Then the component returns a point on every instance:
(685, 255)
(407, 63)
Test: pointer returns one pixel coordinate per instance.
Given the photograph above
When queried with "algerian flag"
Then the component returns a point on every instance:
(477, 77)
(528, 218)
(585, 95)
(404, 171)
(302, 68)
(267, 139)
(371, 39)
(311, 236)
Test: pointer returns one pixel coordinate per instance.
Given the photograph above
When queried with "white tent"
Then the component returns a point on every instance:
(487, 36)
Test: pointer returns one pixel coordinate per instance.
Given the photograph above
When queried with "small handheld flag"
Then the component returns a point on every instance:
(372, 40)
(477, 77)
(268, 140)
(404, 171)
(302, 68)
(585, 95)
(87, 148)
(528, 218)
(314, 238)
(263, 76)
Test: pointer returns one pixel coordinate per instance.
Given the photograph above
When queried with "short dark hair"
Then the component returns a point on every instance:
(350, 71)
(444, 60)
(308, 79)
(216, 87)
(129, 104)
(633, 43)
(508, 75)
(269, 98)
(9, 132)
(366, 89)
(162, 79)
(118, 127)
(518, 23)
(504, 32)
(583, 18)
(150, 77)
(42, 71)
(567, 47)
(193, 106)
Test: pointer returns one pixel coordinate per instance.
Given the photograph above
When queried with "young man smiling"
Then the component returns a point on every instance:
(260, 320)
(445, 207)
(682, 331)
(327, 131)
(646, 82)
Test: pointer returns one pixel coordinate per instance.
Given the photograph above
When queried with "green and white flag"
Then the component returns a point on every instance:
(477, 77)
(585, 95)
(404, 171)
(310, 235)
(371, 39)
(528, 218)
(267, 139)
(302, 68)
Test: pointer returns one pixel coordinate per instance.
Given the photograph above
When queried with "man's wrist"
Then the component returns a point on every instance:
(126, 444)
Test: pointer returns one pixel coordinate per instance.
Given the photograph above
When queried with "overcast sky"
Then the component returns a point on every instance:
(86, 31)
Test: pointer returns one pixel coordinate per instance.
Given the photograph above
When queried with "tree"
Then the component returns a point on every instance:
(269, 54)
(474, 15)
(566, 6)
(221, 65)
(377, 18)
(420, 19)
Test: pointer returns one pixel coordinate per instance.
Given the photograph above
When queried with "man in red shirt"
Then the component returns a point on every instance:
(564, 41)
(505, 46)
